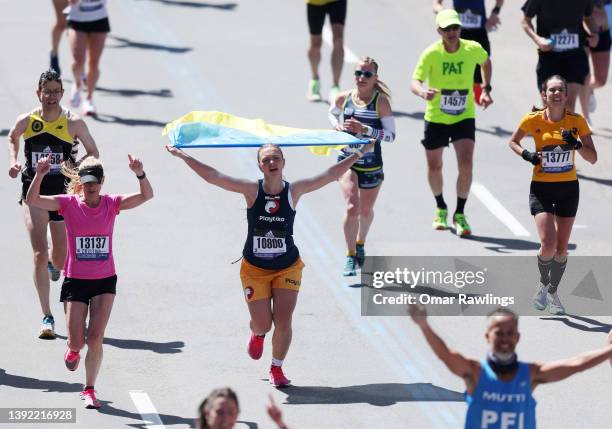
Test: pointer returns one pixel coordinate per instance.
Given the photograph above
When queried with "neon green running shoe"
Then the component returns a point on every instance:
(314, 90)
(461, 225)
(439, 222)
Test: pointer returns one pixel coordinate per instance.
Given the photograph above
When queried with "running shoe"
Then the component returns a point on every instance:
(554, 304)
(54, 63)
(539, 299)
(47, 327)
(360, 254)
(314, 90)
(89, 396)
(89, 108)
(350, 267)
(592, 102)
(462, 227)
(71, 359)
(333, 94)
(255, 347)
(54, 273)
(277, 378)
(439, 223)
(75, 96)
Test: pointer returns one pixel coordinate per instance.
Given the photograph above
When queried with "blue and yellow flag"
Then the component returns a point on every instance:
(219, 129)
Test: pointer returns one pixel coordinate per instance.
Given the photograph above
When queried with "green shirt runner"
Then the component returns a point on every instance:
(452, 74)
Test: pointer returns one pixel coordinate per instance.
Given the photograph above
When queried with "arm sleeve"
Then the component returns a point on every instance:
(386, 134)
(334, 114)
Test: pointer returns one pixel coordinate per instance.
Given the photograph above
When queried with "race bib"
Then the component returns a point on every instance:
(269, 245)
(564, 41)
(94, 248)
(453, 101)
(56, 159)
(470, 20)
(557, 160)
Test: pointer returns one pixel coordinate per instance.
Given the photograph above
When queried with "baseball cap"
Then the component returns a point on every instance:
(447, 17)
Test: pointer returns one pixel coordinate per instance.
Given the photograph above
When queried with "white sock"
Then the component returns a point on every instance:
(277, 362)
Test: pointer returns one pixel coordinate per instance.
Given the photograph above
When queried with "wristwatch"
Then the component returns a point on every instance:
(487, 88)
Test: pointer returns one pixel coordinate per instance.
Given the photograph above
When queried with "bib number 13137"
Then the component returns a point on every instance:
(94, 248)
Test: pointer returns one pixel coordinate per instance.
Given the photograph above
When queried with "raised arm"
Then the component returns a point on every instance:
(437, 6)
(247, 188)
(561, 369)
(304, 186)
(78, 128)
(468, 369)
(493, 20)
(146, 191)
(13, 144)
(33, 198)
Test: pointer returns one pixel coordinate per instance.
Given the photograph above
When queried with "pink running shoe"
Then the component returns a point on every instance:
(89, 396)
(255, 347)
(71, 359)
(277, 378)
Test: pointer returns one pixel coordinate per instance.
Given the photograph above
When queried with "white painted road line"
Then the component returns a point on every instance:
(146, 409)
(498, 210)
(349, 56)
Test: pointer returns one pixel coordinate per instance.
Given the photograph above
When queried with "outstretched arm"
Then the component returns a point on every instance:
(561, 369)
(33, 198)
(304, 186)
(146, 191)
(214, 177)
(468, 369)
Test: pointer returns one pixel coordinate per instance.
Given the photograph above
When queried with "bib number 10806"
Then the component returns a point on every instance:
(270, 243)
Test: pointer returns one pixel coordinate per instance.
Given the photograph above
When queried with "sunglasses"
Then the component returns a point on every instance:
(363, 73)
(56, 92)
(453, 27)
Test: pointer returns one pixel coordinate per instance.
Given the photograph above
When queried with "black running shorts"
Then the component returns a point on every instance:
(316, 15)
(98, 26)
(440, 135)
(83, 290)
(558, 198)
(54, 216)
(573, 66)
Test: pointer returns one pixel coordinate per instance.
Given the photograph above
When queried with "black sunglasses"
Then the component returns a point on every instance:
(364, 73)
(453, 27)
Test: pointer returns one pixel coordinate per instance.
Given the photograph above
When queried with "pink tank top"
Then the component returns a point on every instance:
(89, 232)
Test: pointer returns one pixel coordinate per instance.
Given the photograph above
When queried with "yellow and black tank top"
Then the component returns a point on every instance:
(52, 139)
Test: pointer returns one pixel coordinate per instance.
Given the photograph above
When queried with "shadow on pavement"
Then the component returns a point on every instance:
(21, 382)
(166, 419)
(606, 182)
(171, 347)
(163, 93)
(4, 133)
(503, 245)
(112, 119)
(382, 394)
(602, 327)
(194, 4)
(127, 43)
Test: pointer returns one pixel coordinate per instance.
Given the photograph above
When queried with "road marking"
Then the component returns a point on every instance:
(146, 409)
(349, 56)
(498, 210)
(580, 226)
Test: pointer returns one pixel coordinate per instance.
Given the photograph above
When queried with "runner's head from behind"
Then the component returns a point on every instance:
(502, 333)
(366, 77)
(85, 180)
(219, 410)
(270, 160)
(449, 27)
(50, 89)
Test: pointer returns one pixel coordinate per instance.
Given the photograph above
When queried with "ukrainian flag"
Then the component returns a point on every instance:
(219, 129)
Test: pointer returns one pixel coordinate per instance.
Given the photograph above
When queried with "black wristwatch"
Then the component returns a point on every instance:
(487, 88)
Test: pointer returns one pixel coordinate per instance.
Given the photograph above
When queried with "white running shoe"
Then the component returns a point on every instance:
(539, 299)
(89, 108)
(554, 304)
(75, 96)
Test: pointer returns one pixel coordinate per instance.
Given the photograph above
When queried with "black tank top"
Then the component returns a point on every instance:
(269, 244)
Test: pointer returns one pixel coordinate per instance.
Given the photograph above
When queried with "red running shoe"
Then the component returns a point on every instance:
(89, 396)
(277, 378)
(255, 348)
(71, 359)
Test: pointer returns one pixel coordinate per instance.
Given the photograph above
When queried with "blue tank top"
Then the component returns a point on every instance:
(472, 13)
(367, 115)
(497, 404)
(269, 244)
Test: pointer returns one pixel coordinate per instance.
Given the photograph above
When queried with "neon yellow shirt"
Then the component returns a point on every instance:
(452, 74)
(319, 2)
